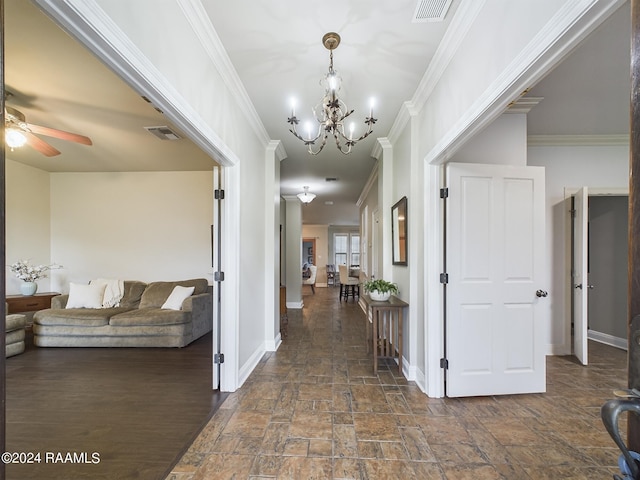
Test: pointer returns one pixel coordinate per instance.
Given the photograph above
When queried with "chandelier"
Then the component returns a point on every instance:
(331, 112)
(306, 197)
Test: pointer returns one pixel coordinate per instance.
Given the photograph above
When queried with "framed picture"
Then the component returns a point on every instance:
(399, 232)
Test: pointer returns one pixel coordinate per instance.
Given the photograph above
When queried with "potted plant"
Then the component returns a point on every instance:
(380, 290)
(29, 274)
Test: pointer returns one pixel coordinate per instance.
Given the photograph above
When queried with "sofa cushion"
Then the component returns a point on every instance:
(150, 316)
(85, 317)
(178, 295)
(133, 291)
(15, 321)
(85, 296)
(157, 293)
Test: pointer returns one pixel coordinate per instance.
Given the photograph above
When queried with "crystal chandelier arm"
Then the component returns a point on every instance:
(322, 144)
(294, 121)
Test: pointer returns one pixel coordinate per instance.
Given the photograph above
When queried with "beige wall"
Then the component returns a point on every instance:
(321, 235)
(27, 220)
(141, 226)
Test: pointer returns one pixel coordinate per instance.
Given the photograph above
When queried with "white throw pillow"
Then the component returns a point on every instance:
(85, 296)
(174, 302)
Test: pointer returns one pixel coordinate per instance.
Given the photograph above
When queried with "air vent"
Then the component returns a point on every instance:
(163, 133)
(328, 202)
(331, 179)
(431, 11)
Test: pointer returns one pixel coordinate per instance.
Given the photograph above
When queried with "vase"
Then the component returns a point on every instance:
(376, 296)
(28, 288)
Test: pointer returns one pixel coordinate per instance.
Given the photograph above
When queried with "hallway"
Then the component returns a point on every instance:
(314, 409)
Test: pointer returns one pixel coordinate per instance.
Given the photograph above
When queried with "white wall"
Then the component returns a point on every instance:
(504, 142)
(570, 167)
(132, 226)
(27, 221)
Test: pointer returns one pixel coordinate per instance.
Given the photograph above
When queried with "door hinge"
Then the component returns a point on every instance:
(444, 193)
(218, 358)
(218, 276)
(218, 194)
(444, 363)
(444, 278)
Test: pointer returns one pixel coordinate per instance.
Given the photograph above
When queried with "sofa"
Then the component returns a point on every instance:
(138, 320)
(15, 325)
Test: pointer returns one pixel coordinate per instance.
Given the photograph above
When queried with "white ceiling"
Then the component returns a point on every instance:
(277, 52)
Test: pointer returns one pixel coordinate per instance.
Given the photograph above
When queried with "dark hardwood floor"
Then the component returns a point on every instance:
(126, 413)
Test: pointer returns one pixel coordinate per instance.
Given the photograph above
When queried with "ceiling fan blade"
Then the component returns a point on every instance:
(40, 145)
(61, 134)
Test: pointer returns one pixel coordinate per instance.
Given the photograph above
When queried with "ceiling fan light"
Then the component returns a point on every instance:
(14, 138)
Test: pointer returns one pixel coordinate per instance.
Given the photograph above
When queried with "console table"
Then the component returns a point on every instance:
(386, 328)
(31, 303)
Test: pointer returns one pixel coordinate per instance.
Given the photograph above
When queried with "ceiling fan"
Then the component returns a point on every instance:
(18, 132)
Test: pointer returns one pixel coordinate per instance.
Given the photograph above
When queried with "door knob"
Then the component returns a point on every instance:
(541, 293)
(579, 286)
(589, 287)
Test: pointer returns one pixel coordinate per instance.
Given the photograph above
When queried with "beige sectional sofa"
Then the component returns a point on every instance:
(138, 321)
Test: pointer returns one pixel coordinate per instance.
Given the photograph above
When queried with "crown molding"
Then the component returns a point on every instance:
(407, 110)
(461, 22)
(577, 140)
(382, 143)
(198, 18)
(373, 177)
(276, 147)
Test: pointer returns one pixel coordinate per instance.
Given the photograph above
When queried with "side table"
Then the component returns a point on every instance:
(386, 328)
(32, 303)
(29, 304)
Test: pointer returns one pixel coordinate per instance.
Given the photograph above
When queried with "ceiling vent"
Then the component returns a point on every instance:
(331, 179)
(431, 11)
(163, 133)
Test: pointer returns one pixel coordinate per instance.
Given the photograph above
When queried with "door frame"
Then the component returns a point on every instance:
(121, 58)
(568, 253)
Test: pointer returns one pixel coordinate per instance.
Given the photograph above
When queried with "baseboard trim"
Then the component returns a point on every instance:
(295, 305)
(608, 339)
(250, 365)
(273, 345)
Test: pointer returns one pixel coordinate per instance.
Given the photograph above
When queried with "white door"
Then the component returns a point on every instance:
(580, 275)
(494, 258)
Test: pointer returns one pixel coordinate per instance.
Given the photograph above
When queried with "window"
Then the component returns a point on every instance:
(340, 249)
(355, 250)
(346, 248)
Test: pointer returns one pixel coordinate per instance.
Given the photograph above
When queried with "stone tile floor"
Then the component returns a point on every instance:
(315, 410)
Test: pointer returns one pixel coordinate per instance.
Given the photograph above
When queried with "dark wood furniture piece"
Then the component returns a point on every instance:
(284, 317)
(384, 328)
(32, 303)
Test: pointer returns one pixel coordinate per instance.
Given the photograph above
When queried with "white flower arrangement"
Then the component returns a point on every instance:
(26, 272)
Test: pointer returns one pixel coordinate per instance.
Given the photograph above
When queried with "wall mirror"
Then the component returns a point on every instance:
(399, 231)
